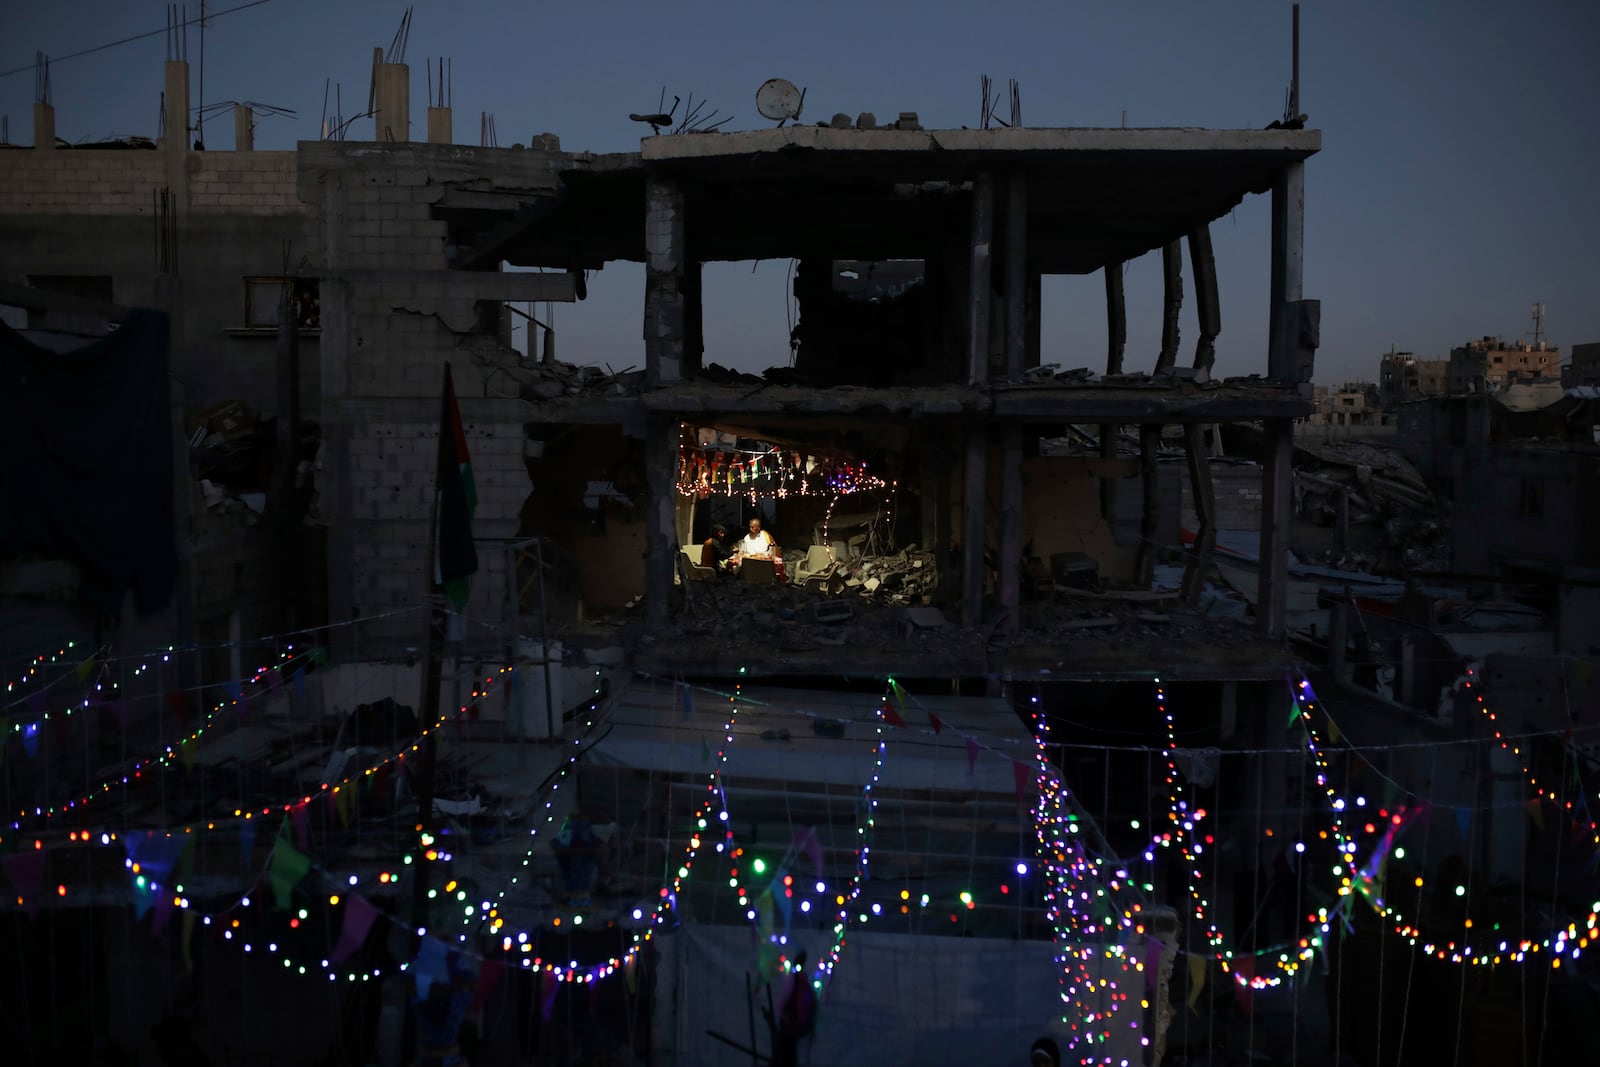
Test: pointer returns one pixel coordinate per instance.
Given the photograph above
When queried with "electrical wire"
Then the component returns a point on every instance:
(136, 37)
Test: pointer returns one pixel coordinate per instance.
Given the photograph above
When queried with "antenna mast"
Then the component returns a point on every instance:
(1538, 324)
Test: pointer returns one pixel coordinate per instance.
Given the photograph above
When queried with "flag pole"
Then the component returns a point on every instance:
(428, 713)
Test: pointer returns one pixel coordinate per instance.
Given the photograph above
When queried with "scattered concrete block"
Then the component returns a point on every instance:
(841, 121)
(866, 121)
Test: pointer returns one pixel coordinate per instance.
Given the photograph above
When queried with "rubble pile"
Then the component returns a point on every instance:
(551, 379)
(907, 577)
(1407, 525)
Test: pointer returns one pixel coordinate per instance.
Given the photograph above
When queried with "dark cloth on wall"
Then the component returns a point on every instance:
(86, 460)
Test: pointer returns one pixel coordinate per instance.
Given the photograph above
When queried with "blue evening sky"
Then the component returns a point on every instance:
(1457, 182)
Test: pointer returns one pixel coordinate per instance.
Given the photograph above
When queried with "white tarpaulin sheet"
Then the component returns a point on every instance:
(656, 728)
(895, 999)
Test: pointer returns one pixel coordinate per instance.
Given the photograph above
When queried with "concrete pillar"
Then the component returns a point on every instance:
(1150, 520)
(1272, 574)
(664, 317)
(1011, 526)
(1205, 538)
(177, 142)
(1116, 342)
(1288, 267)
(440, 125)
(973, 524)
(1208, 309)
(1171, 304)
(44, 127)
(1016, 273)
(979, 280)
(392, 84)
(661, 534)
(244, 129)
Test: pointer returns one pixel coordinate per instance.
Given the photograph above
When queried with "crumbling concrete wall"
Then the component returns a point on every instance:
(1061, 512)
(604, 533)
(393, 314)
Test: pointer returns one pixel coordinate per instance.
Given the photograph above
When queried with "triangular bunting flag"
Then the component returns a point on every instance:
(1535, 812)
(298, 678)
(85, 669)
(1197, 979)
(805, 840)
(186, 754)
(972, 756)
(289, 865)
(431, 965)
(358, 916)
(164, 907)
(891, 716)
(144, 897)
(546, 990)
(1152, 962)
(1334, 735)
(30, 739)
(488, 975)
(935, 722)
(1464, 823)
(300, 816)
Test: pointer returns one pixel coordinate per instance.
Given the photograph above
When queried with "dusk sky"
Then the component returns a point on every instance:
(1456, 185)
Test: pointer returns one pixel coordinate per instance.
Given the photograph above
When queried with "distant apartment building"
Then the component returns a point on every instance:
(1489, 363)
(1351, 404)
(1402, 377)
(1585, 366)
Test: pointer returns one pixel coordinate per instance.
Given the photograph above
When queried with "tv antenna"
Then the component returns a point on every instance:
(1538, 324)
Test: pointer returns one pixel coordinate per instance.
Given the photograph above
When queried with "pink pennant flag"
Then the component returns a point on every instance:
(300, 816)
(805, 840)
(1019, 772)
(1152, 962)
(358, 916)
(935, 722)
(1246, 968)
(488, 974)
(546, 990)
(26, 871)
(972, 756)
(164, 907)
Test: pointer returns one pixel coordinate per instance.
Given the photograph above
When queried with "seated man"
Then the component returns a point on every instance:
(758, 544)
(716, 552)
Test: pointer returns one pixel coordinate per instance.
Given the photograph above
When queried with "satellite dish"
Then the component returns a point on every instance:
(779, 100)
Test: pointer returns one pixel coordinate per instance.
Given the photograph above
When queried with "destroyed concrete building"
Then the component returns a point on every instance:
(995, 526)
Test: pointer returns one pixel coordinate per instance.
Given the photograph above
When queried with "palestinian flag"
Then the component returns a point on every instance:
(455, 500)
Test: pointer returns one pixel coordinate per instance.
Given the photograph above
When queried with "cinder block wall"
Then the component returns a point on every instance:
(388, 330)
(82, 181)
